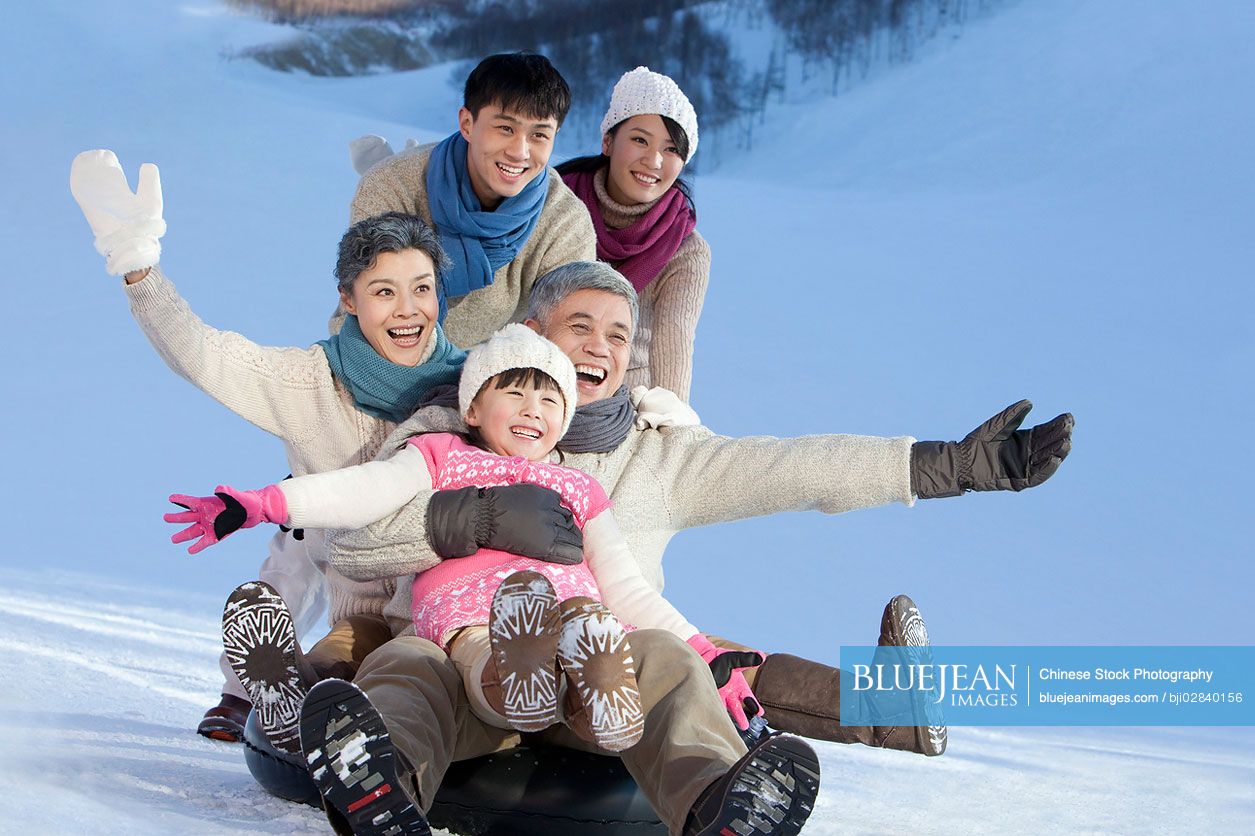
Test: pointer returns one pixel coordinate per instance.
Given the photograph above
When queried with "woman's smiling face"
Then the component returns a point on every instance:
(644, 162)
(396, 306)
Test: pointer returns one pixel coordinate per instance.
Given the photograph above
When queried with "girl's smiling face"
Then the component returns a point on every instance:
(644, 162)
(396, 305)
(519, 414)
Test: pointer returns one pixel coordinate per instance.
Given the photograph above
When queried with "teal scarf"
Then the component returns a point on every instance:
(380, 387)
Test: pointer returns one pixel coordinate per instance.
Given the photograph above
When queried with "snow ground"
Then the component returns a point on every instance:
(114, 679)
(1055, 205)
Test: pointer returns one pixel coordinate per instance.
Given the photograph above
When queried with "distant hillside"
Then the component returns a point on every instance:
(733, 57)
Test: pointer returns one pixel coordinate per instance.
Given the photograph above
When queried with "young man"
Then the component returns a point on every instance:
(503, 215)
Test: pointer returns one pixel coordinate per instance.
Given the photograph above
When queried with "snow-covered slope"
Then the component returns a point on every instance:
(1055, 205)
(101, 683)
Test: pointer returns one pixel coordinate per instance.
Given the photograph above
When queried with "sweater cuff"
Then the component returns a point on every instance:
(154, 291)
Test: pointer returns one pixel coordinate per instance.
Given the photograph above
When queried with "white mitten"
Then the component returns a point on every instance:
(367, 150)
(659, 407)
(127, 225)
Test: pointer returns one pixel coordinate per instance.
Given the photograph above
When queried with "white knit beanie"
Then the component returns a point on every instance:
(518, 347)
(644, 91)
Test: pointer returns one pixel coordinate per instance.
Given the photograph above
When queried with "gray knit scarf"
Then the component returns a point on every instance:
(600, 426)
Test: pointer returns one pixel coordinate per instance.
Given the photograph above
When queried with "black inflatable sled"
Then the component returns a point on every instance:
(528, 791)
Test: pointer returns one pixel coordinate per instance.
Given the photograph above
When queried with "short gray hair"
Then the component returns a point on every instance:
(560, 282)
(390, 232)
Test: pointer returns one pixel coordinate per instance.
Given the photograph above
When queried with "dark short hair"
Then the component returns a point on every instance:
(526, 376)
(519, 81)
(390, 232)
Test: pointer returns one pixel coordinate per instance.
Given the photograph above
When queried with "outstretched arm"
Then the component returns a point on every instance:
(711, 478)
(349, 497)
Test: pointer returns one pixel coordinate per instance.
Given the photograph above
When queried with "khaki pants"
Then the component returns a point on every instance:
(340, 653)
(471, 652)
(688, 743)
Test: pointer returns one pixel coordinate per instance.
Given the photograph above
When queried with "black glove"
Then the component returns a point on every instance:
(996, 456)
(526, 520)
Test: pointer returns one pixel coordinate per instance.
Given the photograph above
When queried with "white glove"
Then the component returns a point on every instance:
(659, 407)
(127, 225)
(367, 150)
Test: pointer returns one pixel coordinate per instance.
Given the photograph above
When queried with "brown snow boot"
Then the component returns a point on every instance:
(225, 721)
(523, 629)
(804, 697)
(603, 698)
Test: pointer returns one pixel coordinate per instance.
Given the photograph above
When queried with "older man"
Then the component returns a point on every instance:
(663, 480)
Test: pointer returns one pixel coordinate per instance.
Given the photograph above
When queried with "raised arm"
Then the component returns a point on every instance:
(285, 391)
(289, 392)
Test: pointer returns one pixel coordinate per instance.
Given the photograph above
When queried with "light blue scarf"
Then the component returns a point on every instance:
(380, 387)
(476, 241)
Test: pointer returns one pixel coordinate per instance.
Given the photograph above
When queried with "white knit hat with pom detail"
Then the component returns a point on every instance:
(518, 347)
(645, 91)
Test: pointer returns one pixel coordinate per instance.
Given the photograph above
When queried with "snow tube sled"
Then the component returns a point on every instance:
(278, 772)
(528, 791)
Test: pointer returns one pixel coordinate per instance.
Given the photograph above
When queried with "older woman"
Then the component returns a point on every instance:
(645, 222)
(332, 404)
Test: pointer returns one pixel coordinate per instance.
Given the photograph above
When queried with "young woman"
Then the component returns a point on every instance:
(646, 221)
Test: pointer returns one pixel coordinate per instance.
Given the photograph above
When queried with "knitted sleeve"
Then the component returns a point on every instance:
(289, 392)
(393, 546)
(710, 478)
(678, 300)
(352, 497)
(623, 587)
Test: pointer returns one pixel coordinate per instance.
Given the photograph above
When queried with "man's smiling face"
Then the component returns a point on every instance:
(508, 150)
(594, 329)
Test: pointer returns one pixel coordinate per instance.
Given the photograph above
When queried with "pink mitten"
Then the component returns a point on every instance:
(726, 665)
(214, 517)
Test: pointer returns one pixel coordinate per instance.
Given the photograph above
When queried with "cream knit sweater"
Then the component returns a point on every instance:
(563, 234)
(288, 392)
(662, 352)
(661, 481)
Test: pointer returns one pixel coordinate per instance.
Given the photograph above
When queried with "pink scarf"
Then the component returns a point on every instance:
(640, 250)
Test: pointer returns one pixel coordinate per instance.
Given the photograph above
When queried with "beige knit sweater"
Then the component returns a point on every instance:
(662, 352)
(288, 392)
(563, 234)
(661, 482)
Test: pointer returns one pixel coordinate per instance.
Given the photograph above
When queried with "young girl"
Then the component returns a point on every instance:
(503, 619)
(645, 220)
